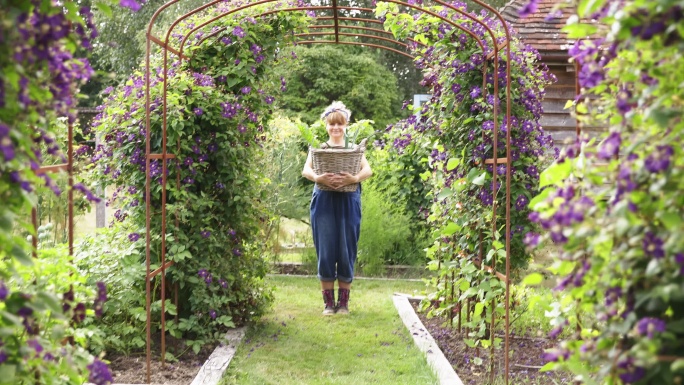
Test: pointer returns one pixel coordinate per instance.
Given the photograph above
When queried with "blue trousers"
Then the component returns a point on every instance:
(336, 225)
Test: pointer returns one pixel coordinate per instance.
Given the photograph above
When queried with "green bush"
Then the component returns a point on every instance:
(384, 231)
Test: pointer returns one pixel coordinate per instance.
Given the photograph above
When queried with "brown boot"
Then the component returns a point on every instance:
(343, 304)
(329, 300)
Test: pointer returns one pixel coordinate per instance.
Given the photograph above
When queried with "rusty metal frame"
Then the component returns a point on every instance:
(334, 8)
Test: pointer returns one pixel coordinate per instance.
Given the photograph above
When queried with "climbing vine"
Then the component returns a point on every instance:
(614, 205)
(453, 133)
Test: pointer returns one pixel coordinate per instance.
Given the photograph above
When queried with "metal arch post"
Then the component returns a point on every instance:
(509, 165)
(70, 193)
(335, 15)
(148, 209)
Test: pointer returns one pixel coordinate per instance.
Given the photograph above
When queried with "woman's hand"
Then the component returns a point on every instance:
(345, 178)
(328, 179)
(336, 181)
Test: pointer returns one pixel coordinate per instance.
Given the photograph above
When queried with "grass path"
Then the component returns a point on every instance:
(294, 344)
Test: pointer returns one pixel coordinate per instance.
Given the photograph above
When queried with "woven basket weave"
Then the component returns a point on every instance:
(337, 160)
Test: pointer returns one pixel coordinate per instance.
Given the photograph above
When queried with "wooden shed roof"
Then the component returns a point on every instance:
(538, 30)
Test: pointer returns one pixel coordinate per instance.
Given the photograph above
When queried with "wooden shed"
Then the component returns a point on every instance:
(544, 34)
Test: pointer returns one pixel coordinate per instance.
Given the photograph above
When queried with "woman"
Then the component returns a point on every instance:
(336, 216)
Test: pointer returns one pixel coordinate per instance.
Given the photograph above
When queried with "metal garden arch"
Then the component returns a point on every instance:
(334, 30)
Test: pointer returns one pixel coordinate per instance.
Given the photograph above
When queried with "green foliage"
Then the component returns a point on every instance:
(45, 338)
(42, 342)
(325, 73)
(614, 204)
(109, 256)
(284, 156)
(384, 230)
(219, 103)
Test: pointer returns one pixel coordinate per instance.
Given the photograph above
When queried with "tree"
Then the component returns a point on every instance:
(326, 73)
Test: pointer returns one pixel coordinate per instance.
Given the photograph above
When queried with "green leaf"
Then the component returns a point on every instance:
(480, 180)
(539, 198)
(51, 301)
(450, 229)
(569, 104)
(479, 307)
(533, 279)
(548, 367)
(444, 194)
(7, 373)
(452, 163)
(576, 31)
(104, 8)
(6, 223)
(555, 173)
(72, 14)
(588, 7)
(19, 254)
(678, 365)
(671, 220)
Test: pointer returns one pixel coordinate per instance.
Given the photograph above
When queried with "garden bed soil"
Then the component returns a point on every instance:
(132, 369)
(525, 357)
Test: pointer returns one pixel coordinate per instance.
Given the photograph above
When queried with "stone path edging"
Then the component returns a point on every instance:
(422, 338)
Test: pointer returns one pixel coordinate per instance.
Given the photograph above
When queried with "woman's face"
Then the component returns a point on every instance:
(336, 130)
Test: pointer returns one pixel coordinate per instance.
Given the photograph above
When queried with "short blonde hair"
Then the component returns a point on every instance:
(336, 113)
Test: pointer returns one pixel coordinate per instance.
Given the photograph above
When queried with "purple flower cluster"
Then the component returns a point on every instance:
(88, 194)
(629, 372)
(610, 146)
(203, 80)
(4, 291)
(99, 371)
(569, 212)
(91, 33)
(239, 32)
(659, 160)
(649, 326)
(230, 109)
(100, 299)
(6, 143)
(653, 246)
(521, 202)
(401, 142)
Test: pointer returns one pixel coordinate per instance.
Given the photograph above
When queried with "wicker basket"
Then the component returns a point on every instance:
(337, 160)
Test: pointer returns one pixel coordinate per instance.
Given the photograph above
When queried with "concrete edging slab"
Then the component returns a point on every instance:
(422, 338)
(213, 369)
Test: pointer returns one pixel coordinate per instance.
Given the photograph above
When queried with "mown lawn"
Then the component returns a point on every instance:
(295, 344)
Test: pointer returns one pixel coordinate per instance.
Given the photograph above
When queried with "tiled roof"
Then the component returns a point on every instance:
(536, 30)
